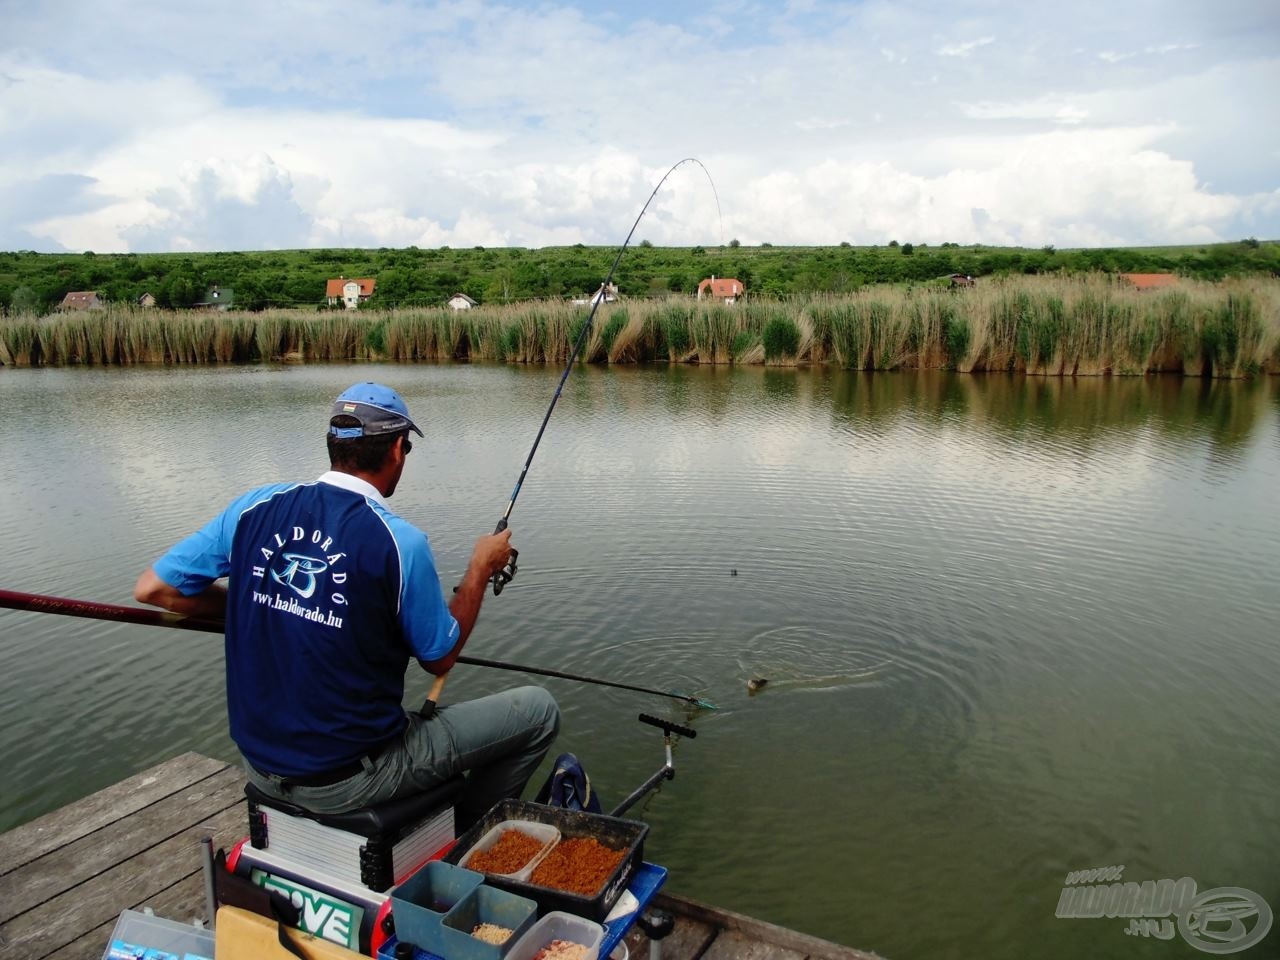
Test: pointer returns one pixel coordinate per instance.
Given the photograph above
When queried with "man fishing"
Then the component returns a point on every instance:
(328, 595)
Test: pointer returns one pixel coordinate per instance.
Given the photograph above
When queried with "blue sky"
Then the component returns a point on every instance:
(138, 125)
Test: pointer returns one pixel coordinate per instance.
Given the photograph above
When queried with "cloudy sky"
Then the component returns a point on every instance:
(132, 125)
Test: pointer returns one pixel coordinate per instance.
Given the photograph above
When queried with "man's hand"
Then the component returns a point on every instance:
(492, 553)
(210, 604)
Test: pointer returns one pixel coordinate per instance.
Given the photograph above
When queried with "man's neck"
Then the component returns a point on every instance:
(358, 481)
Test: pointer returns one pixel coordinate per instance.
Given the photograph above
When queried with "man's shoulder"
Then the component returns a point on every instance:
(263, 494)
(401, 529)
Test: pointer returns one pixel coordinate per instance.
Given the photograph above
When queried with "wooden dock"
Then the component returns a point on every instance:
(65, 877)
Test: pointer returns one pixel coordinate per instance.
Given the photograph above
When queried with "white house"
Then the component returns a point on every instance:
(352, 293)
(608, 296)
(460, 301)
(722, 288)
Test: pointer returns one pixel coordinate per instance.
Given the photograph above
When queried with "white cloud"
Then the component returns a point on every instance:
(1113, 56)
(810, 124)
(469, 122)
(964, 49)
(1044, 189)
(1047, 107)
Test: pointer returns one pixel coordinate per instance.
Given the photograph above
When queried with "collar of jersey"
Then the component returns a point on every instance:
(353, 483)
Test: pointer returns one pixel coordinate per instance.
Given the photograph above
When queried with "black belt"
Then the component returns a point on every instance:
(324, 778)
(327, 778)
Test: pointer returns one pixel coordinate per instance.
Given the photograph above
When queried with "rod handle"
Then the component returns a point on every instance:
(433, 697)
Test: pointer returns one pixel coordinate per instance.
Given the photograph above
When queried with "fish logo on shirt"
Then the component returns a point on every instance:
(299, 573)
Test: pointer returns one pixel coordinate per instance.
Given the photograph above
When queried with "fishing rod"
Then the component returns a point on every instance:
(507, 573)
(40, 603)
(542, 672)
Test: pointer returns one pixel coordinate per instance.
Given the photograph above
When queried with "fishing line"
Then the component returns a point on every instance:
(505, 575)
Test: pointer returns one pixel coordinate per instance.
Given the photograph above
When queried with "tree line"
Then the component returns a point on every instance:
(36, 283)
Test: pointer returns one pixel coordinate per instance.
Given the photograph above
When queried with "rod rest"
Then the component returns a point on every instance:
(384, 820)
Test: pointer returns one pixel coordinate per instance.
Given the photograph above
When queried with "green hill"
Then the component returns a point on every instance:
(35, 283)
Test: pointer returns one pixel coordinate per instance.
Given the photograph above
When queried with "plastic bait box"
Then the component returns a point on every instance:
(612, 832)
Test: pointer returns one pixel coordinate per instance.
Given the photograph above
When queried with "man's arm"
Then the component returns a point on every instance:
(209, 604)
(490, 555)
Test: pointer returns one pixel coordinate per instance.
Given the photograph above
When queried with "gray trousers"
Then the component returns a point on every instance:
(497, 740)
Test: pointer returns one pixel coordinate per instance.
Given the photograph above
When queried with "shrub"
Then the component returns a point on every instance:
(781, 337)
(375, 339)
(955, 336)
(617, 320)
(743, 342)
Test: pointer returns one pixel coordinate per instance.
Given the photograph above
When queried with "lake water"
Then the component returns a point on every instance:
(1012, 627)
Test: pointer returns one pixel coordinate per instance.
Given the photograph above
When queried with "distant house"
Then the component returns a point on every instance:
(722, 288)
(1149, 281)
(608, 296)
(962, 280)
(460, 301)
(352, 292)
(81, 300)
(146, 300)
(216, 298)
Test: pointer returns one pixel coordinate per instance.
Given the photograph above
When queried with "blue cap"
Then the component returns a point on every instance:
(379, 409)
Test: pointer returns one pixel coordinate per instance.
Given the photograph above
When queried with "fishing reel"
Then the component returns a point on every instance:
(507, 573)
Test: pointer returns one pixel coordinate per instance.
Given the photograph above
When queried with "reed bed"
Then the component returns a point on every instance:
(1086, 325)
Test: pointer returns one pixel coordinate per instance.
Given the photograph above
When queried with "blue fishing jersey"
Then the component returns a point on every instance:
(329, 594)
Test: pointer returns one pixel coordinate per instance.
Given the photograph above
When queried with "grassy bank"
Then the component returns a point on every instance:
(1052, 326)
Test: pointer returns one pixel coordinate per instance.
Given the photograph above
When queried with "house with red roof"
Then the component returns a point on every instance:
(1150, 281)
(722, 288)
(352, 293)
(81, 300)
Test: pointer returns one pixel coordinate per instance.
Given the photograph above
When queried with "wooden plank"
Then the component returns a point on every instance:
(688, 941)
(758, 930)
(183, 901)
(72, 864)
(732, 945)
(68, 916)
(23, 844)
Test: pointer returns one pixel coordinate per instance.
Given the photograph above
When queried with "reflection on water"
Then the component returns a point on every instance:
(1224, 413)
(1013, 626)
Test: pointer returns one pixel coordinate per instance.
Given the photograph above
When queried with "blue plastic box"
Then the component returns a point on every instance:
(483, 905)
(419, 904)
